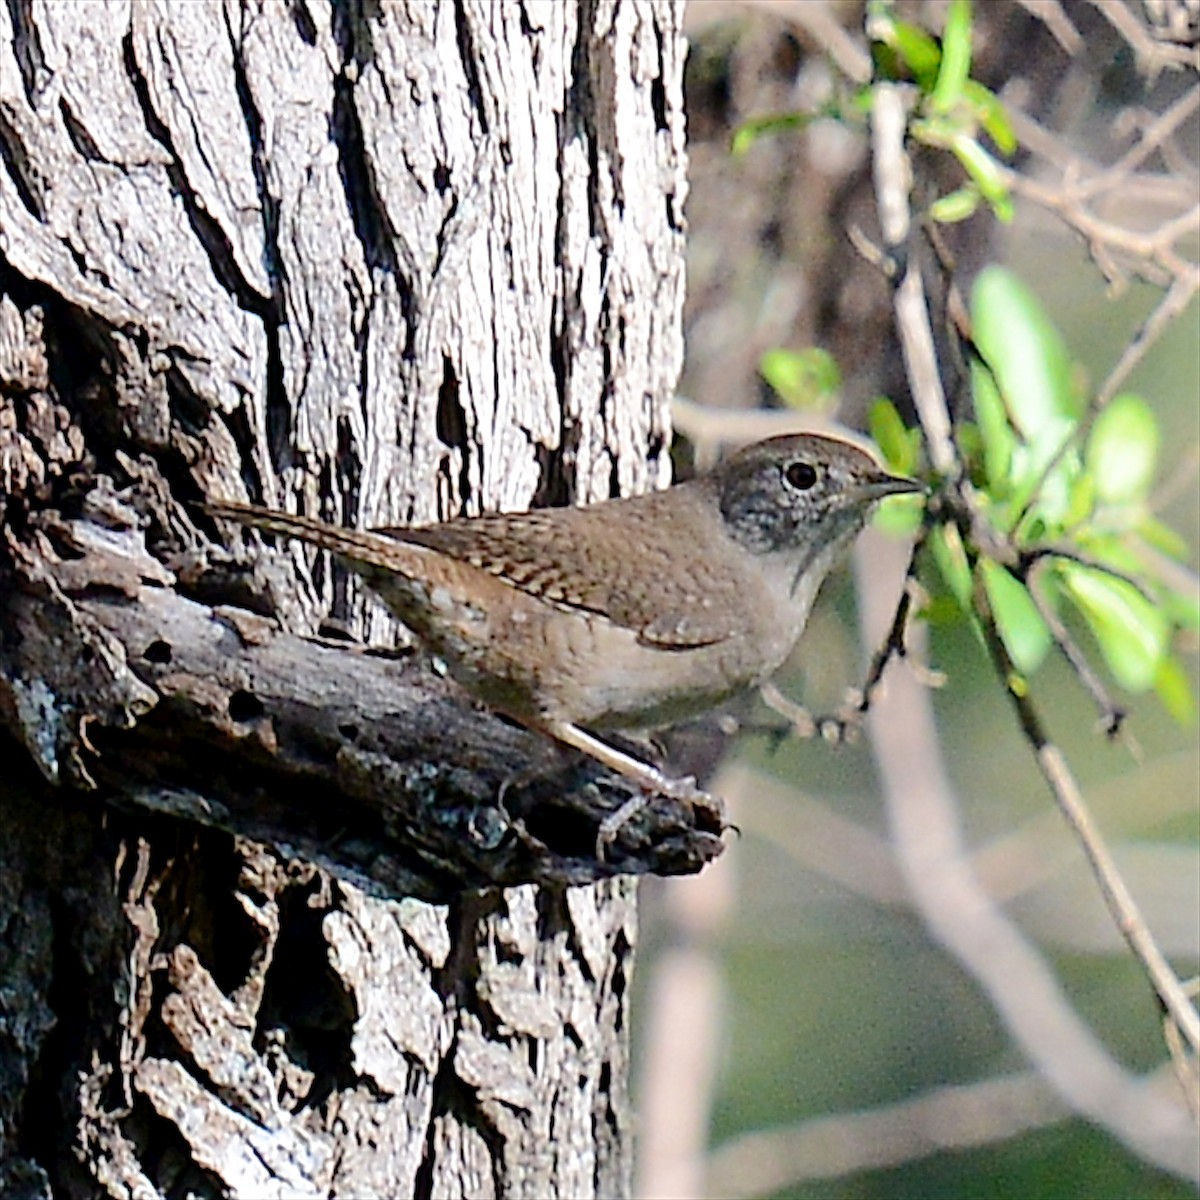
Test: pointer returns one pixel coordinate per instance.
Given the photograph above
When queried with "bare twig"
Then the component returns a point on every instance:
(893, 181)
(818, 19)
(1176, 191)
(1018, 981)
(1082, 186)
(1152, 55)
(1184, 1061)
(682, 1037)
(1152, 138)
(1180, 479)
(1051, 14)
(709, 428)
(1121, 903)
(843, 725)
(949, 1118)
(1112, 715)
(1038, 556)
(1035, 861)
(1179, 295)
(1171, 574)
(1156, 246)
(815, 835)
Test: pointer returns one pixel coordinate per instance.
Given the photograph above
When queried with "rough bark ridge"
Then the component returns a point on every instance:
(384, 262)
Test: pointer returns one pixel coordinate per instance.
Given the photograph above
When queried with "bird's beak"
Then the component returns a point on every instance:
(889, 485)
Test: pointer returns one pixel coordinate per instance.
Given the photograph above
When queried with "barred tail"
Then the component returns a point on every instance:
(355, 546)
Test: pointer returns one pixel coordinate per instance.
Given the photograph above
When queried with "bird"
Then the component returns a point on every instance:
(627, 615)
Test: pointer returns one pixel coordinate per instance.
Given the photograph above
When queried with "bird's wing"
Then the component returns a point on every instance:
(627, 571)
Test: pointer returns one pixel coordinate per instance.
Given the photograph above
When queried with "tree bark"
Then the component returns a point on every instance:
(281, 917)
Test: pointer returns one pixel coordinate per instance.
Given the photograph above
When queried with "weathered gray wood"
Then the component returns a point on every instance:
(385, 262)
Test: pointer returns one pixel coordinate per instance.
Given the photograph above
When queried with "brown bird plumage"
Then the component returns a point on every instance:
(628, 614)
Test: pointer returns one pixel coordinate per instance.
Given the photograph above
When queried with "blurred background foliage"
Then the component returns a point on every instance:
(800, 1032)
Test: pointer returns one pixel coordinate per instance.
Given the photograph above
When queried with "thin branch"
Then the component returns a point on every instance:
(817, 19)
(1151, 188)
(1057, 773)
(1179, 296)
(1171, 574)
(682, 1034)
(1081, 183)
(813, 834)
(1112, 716)
(708, 427)
(843, 726)
(893, 182)
(1051, 14)
(1019, 983)
(1172, 304)
(1150, 139)
(928, 838)
(1152, 55)
(1186, 1065)
(1174, 486)
(1156, 246)
(1038, 556)
(771, 1161)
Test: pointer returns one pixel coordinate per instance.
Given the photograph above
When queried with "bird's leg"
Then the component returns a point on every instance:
(845, 724)
(838, 728)
(651, 779)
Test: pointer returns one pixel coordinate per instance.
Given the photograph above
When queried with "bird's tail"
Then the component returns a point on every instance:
(354, 545)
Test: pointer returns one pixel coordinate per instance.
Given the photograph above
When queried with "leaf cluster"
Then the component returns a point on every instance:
(1061, 520)
(951, 110)
(1060, 523)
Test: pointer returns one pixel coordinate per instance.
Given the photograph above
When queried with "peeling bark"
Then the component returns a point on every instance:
(282, 916)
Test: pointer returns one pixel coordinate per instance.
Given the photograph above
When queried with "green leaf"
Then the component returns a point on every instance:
(1163, 538)
(1021, 627)
(1182, 611)
(918, 51)
(750, 131)
(979, 164)
(1003, 207)
(941, 611)
(862, 101)
(955, 206)
(804, 379)
(992, 116)
(1110, 550)
(999, 438)
(984, 172)
(892, 436)
(951, 559)
(1081, 502)
(1049, 513)
(955, 67)
(970, 443)
(1037, 383)
(1131, 632)
(900, 516)
(1175, 692)
(1026, 354)
(1122, 451)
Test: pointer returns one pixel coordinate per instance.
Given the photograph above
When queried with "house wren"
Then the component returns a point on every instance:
(629, 614)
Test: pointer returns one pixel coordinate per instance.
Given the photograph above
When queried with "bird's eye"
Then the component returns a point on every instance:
(800, 475)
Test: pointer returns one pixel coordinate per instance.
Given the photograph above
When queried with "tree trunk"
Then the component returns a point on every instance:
(281, 917)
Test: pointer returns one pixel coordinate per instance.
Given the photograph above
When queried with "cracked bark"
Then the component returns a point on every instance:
(282, 916)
